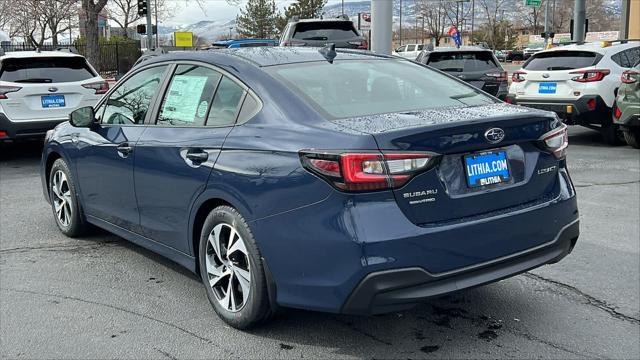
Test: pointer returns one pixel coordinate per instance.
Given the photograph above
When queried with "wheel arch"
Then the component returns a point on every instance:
(52, 156)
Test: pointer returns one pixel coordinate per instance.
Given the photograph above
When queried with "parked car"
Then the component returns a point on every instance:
(501, 55)
(319, 32)
(578, 82)
(479, 67)
(408, 51)
(514, 55)
(338, 181)
(239, 43)
(626, 109)
(38, 90)
(528, 51)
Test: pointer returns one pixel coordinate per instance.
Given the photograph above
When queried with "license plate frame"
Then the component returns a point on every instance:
(547, 88)
(53, 101)
(478, 176)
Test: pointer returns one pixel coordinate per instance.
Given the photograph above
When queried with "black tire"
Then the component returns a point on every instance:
(76, 224)
(611, 134)
(256, 309)
(632, 137)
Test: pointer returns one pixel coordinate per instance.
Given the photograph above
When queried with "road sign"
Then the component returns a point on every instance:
(532, 2)
(183, 39)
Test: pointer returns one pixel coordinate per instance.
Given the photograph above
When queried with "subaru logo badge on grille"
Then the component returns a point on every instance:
(494, 135)
(53, 89)
(545, 75)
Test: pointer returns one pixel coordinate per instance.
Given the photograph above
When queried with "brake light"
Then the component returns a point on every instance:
(629, 77)
(518, 76)
(100, 87)
(4, 90)
(293, 43)
(557, 141)
(617, 113)
(360, 44)
(499, 75)
(589, 75)
(366, 171)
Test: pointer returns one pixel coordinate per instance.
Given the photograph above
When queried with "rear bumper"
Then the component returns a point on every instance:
(400, 289)
(630, 116)
(26, 129)
(573, 112)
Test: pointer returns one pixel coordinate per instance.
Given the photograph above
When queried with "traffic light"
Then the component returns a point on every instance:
(142, 7)
(141, 29)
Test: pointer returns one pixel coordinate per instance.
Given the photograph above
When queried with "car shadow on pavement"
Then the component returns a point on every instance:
(21, 152)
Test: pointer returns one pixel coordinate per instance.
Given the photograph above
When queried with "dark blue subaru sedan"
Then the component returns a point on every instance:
(342, 182)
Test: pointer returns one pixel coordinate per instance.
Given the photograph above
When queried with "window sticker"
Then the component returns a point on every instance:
(183, 98)
(202, 109)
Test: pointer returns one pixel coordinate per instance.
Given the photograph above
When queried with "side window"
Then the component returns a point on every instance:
(187, 99)
(420, 47)
(411, 48)
(129, 103)
(633, 55)
(250, 107)
(226, 102)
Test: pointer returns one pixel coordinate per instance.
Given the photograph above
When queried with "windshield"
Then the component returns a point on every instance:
(353, 88)
(462, 61)
(561, 60)
(45, 70)
(325, 30)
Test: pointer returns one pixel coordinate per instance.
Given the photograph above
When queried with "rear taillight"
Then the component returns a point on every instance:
(518, 76)
(629, 77)
(100, 87)
(293, 43)
(360, 44)
(557, 141)
(4, 90)
(589, 75)
(499, 75)
(366, 171)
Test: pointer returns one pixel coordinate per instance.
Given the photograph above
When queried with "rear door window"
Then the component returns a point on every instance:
(226, 103)
(561, 60)
(46, 70)
(325, 30)
(461, 61)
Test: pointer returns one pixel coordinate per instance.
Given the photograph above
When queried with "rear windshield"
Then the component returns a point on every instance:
(325, 30)
(462, 61)
(45, 70)
(353, 88)
(561, 60)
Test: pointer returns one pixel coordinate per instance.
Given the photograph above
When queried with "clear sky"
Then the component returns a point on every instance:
(189, 12)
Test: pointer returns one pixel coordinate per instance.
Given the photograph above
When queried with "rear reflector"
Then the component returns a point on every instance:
(3, 134)
(591, 104)
(617, 113)
(366, 171)
(557, 141)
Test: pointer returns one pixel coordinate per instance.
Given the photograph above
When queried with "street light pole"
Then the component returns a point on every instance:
(342, 7)
(400, 32)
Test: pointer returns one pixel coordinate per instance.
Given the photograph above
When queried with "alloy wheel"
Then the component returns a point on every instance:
(62, 198)
(228, 267)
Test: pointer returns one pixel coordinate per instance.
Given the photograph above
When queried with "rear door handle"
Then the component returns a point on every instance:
(124, 149)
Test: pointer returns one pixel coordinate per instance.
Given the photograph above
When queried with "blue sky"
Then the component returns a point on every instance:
(216, 10)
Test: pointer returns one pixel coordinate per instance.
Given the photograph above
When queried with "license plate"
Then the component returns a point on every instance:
(52, 101)
(547, 88)
(487, 168)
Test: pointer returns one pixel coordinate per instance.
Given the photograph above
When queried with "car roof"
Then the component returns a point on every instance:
(460, 49)
(268, 56)
(596, 47)
(32, 54)
(320, 20)
(240, 41)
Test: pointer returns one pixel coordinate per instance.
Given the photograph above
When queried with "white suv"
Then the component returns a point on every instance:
(38, 90)
(409, 51)
(578, 82)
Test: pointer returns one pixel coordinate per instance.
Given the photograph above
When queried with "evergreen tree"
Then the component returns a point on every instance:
(257, 19)
(304, 9)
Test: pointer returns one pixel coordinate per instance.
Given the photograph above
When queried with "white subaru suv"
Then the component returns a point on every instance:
(578, 82)
(38, 90)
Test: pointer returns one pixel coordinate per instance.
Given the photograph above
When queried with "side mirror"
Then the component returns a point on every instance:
(82, 117)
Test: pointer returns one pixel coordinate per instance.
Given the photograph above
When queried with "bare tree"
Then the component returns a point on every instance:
(435, 18)
(493, 13)
(125, 12)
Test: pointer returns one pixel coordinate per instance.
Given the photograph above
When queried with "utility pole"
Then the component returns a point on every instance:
(400, 33)
(578, 21)
(546, 22)
(149, 28)
(342, 7)
(473, 17)
(155, 4)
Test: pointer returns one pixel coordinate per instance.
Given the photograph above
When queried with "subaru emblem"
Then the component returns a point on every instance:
(494, 135)
(545, 75)
(53, 89)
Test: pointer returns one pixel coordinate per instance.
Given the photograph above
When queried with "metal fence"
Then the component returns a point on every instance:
(115, 59)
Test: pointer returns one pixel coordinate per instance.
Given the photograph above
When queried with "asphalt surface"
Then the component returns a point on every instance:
(103, 297)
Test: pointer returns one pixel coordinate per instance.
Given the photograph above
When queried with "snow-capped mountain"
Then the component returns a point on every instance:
(207, 29)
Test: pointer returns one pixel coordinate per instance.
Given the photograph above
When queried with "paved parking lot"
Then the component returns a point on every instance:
(102, 297)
